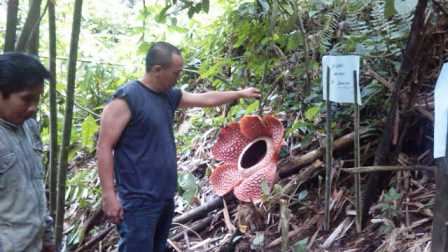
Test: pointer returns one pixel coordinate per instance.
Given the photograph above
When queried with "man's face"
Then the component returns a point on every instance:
(169, 75)
(21, 105)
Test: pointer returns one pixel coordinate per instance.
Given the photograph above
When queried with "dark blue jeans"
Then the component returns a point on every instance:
(145, 226)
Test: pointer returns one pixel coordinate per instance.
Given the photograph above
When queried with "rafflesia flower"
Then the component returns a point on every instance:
(249, 151)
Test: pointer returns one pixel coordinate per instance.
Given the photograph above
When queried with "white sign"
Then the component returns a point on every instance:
(441, 113)
(341, 78)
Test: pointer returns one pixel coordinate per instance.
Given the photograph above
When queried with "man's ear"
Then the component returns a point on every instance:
(157, 68)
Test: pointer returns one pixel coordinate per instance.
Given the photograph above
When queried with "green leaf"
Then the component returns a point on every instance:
(389, 8)
(312, 112)
(294, 41)
(143, 47)
(89, 129)
(188, 184)
(206, 5)
(300, 246)
(392, 195)
(191, 12)
(161, 17)
(265, 188)
(186, 180)
(404, 7)
(175, 28)
(189, 195)
(253, 107)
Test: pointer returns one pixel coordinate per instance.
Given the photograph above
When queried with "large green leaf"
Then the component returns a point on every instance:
(312, 112)
(188, 184)
(89, 129)
(389, 8)
(206, 5)
(404, 7)
(253, 107)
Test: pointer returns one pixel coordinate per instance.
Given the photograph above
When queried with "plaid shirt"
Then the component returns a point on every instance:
(24, 221)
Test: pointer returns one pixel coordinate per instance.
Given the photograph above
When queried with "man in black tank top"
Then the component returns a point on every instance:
(136, 150)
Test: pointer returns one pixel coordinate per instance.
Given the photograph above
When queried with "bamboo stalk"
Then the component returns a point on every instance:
(358, 203)
(53, 124)
(68, 120)
(11, 25)
(284, 223)
(328, 157)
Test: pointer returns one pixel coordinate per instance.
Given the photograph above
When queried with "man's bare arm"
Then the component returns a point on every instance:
(114, 119)
(215, 98)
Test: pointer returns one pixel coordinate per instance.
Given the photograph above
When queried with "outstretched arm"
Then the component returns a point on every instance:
(216, 98)
(114, 119)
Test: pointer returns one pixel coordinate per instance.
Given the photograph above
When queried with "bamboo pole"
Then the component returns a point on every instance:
(358, 203)
(53, 124)
(389, 168)
(328, 156)
(284, 223)
(68, 120)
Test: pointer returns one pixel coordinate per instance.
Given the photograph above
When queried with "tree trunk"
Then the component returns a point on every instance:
(71, 77)
(30, 26)
(377, 181)
(33, 45)
(53, 108)
(11, 25)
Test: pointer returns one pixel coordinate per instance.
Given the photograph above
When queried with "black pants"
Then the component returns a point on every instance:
(146, 225)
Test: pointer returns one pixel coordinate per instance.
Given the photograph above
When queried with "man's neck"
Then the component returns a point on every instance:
(150, 83)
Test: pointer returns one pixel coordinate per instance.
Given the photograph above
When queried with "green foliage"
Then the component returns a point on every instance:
(312, 113)
(89, 129)
(389, 203)
(248, 43)
(188, 186)
(389, 9)
(301, 246)
(270, 196)
(389, 207)
(178, 6)
(82, 194)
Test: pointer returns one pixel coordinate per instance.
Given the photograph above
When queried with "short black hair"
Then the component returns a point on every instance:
(160, 53)
(19, 71)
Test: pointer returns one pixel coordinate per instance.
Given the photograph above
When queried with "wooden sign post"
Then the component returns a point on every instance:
(440, 219)
(341, 74)
(357, 156)
(328, 156)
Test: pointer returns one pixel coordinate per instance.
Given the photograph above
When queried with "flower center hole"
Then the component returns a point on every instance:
(254, 154)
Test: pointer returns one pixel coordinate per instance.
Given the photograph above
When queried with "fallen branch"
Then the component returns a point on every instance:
(96, 219)
(366, 169)
(304, 231)
(200, 211)
(194, 229)
(90, 244)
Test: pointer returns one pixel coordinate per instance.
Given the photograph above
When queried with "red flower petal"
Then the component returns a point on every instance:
(276, 129)
(230, 143)
(224, 178)
(250, 189)
(253, 127)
